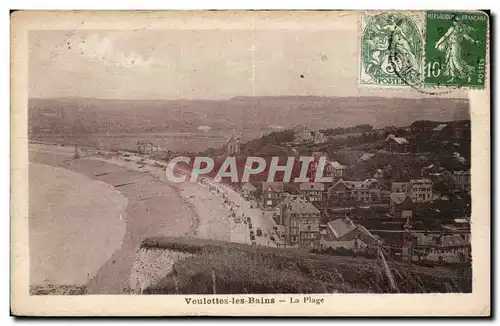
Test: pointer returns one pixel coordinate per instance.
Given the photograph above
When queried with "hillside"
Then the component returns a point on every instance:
(89, 115)
(230, 268)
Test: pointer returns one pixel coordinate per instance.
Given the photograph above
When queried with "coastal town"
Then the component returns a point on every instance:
(280, 160)
(401, 191)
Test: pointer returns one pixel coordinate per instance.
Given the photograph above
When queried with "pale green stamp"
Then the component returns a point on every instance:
(391, 49)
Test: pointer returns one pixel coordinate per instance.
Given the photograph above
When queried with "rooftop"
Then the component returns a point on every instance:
(249, 186)
(336, 165)
(398, 197)
(424, 180)
(319, 154)
(400, 140)
(341, 227)
(453, 241)
(357, 184)
(440, 127)
(312, 186)
(302, 207)
(461, 172)
(366, 156)
(273, 186)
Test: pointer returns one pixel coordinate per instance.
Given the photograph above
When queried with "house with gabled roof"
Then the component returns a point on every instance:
(248, 190)
(397, 144)
(334, 169)
(365, 157)
(312, 191)
(345, 233)
(302, 134)
(440, 127)
(448, 248)
(461, 180)
(350, 192)
(233, 146)
(272, 193)
(302, 222)
(401, 206)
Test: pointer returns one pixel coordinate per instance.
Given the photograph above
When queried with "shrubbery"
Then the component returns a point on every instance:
(237, 268)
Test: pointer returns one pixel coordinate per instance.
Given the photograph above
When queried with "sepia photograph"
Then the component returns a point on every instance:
(238, 159)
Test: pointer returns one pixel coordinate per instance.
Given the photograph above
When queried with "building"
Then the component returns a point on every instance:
(400, 187)
(442, 131)
(344, 233)
(341, 229)
(318, 137)
(334, 169)
(440, 127)
(397, 144)
(301, 220)
(272, 193)
(233, 146)
(366, 157)
(378, 174)
(401, 205)
(312, 191)
(459, 225)
(248, 190)
(334, 212)
(302, 134)
(351, 192)
(292, 152)
(462, 130)
(421, 190)
(146, 147)
(286, 199)
(447, 248)
(453, 130)
(461, 180)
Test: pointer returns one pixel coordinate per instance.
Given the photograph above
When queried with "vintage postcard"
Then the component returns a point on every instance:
(232, 163)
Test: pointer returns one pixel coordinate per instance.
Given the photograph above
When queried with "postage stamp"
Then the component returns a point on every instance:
(431, 52)
(391, 47)
(455, 49)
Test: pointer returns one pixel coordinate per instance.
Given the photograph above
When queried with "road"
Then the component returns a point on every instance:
(260, 219)
(242, 209)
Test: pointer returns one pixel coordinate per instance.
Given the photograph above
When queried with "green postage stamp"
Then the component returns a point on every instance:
(423, 50)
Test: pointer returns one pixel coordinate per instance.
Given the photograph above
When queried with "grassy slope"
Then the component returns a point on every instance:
(240, 268)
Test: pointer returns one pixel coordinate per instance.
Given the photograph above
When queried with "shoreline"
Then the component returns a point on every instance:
(157, 207)
(154, 208)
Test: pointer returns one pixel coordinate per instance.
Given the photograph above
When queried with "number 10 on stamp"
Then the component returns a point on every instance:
(455, 49)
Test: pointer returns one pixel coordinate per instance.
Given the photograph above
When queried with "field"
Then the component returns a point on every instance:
(228, 268)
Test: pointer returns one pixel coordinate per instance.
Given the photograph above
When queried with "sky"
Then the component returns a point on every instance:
(197, 64)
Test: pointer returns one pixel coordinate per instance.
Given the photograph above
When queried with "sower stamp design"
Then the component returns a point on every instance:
(455, 49)
(391, 47)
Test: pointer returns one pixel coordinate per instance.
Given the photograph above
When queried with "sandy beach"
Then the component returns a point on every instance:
(67, 214)
(152, 206)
